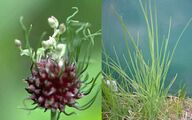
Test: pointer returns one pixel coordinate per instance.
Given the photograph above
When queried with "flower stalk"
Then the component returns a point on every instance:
(53, 115)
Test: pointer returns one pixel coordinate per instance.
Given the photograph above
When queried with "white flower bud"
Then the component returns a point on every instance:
(60, 51)
(61, 47)
(62, 28)
(18, 43)
(53, 22)
(49, 43)
(52, 41)
(44, 44)
(40, 52)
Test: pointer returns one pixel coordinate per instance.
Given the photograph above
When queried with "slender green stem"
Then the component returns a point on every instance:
(53, 115)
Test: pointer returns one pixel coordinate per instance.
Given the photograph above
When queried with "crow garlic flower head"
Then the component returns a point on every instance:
(58, 78)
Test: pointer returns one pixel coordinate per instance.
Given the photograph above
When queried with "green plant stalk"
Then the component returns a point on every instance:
(53, 115)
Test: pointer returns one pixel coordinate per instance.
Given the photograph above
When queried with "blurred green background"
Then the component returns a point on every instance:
(14, 68)
(132, 14)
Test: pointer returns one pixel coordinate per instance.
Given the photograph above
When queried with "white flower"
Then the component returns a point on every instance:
(61, 47)
(49, 43)
(18, 43)
(60, 51)
(62, 28)
(40, 52)
(53, 22)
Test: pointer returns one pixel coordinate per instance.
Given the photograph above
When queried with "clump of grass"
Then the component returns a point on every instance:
(142, 92)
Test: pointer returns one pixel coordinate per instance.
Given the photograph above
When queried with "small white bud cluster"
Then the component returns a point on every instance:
(53, 23)
(51, 42)
(59, 52)
(59, 49)
(27, 52)
(56, 50)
